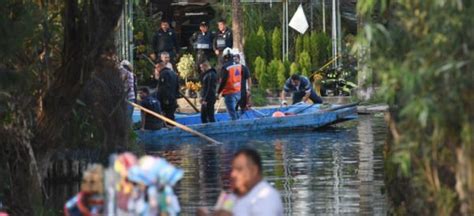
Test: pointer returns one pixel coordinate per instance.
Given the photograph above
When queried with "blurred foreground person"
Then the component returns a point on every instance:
(252, 195)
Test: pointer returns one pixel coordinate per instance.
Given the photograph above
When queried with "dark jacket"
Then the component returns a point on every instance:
(153, 104)
(165, 41)
(201, 40)
(305, 85)
(223, 39)
(168, 87)
(209, 84)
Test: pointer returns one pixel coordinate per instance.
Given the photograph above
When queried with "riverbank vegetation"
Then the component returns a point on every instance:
(60, 89)
(422, 52)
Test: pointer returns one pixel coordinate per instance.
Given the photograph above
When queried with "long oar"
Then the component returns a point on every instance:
(183, 127)
(190, 103)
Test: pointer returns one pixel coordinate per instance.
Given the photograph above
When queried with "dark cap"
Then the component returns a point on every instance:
(203, 23)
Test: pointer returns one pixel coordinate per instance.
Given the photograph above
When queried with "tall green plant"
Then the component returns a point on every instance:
(294, 68)
(304, 61)
(260, 67)
(276, 43)
(262, 43)
(298, 46)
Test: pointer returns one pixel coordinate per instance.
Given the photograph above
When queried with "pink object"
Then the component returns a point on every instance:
(3, 214)
(278, 114)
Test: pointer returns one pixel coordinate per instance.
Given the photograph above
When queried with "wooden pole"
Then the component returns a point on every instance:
(180, 126)
(190, 103)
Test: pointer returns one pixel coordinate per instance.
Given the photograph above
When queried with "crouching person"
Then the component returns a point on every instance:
(150, 122)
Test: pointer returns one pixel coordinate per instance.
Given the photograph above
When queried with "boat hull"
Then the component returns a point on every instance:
(306, 117)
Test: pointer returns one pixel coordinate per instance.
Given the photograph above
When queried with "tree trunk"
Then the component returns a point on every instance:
(237, 28)
(365, 76)
(86, 34)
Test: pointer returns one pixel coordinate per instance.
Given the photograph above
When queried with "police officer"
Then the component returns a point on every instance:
(223, 38)
(202, 43)
(164, 40)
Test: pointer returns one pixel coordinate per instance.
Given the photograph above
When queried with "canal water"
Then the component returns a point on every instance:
(333, 171)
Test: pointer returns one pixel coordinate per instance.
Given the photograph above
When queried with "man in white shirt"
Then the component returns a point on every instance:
(252, 195)
(255, 196)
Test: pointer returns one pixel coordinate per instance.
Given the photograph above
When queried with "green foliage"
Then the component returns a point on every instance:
(276, 43)
(298, 46)
(269, 80)
(304, 61)
(18, 22)
(321, 49)
(281, 73)
(260, 67)
(262, 42)
(255, 46)
(259, 97)
(294, 68)
(426, 74)
(307, 43)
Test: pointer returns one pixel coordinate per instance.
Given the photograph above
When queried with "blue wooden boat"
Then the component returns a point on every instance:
(299, 116)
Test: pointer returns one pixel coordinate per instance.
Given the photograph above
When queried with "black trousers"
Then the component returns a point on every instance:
(207, 112)
(169, 110)
(298, 96)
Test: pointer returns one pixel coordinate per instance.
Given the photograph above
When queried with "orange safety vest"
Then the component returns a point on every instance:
(234, 80)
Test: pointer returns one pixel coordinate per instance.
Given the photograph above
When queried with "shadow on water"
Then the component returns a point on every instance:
(335, 170)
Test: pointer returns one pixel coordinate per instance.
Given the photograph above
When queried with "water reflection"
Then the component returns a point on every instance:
(334, 171)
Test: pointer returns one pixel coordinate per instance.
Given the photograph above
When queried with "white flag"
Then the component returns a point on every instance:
(298, 21)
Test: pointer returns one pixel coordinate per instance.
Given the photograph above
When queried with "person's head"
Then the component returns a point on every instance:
(236, 55)
(227, 54)
(127, 65)
(165, 25)
(158, 67)
(165, 57)
(203, 27)
(246, 170)
(144, 92)
(295, 79)
(221, 25)
(204, 66)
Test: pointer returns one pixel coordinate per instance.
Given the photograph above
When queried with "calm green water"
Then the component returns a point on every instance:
(334, 171)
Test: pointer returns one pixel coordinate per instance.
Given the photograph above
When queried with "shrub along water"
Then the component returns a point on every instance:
(423, 53)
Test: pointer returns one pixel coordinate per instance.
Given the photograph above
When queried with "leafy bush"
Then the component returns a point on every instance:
(304, 61)
(260, 67)
(294, 68)
(276, 43)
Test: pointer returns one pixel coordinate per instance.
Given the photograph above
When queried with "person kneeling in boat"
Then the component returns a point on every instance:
(208, 92)
(150, 122)
(301, 88)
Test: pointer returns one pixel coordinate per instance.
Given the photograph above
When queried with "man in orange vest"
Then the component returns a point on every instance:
(230, 85)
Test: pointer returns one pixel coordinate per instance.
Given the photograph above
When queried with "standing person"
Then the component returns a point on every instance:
(222, 40)
(167, 89)
(230, 84)
(202, 43)
(208, 92)
(126, 71)
(301, 88)
(246, 84)
(164, 40)
(150, 122)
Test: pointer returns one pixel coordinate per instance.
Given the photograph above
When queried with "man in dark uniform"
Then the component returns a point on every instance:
(222, 40)
(301, 88)
(168, 89)
(164, 40)
(150, 122)
(202, 43)
(208, 92)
